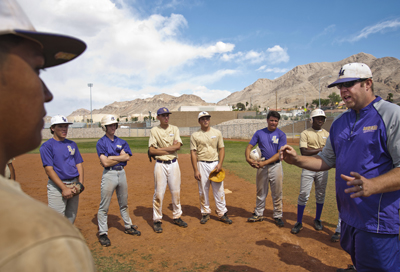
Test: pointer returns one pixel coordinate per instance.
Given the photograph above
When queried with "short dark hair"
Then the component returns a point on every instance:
(274, 114)
(6, 43)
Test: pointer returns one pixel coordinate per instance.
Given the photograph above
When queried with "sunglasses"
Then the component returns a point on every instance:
(349, 84)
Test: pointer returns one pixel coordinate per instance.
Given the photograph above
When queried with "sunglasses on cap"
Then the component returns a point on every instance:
(349, 84)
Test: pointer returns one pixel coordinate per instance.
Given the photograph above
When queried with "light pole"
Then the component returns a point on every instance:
(150, 117)
(90, 85)
(319, 86)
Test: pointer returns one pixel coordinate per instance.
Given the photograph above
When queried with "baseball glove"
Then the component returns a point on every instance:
(77, 187)
(217, 176)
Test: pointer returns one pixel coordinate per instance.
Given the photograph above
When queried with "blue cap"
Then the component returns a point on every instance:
(162, 111)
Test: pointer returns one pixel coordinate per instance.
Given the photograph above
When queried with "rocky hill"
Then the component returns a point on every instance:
(302, 83)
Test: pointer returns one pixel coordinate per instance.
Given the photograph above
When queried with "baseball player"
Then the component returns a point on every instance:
(269, 171)
(363, 145)
(114, 153)
(312, 140)
(164, 142)
(33, 236)
(207, 153)
(62, 163)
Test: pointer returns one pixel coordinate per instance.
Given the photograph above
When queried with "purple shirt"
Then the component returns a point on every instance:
(63, 156)
(269, 142)
(112, 148)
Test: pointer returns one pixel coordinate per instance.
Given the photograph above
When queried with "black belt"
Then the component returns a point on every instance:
(69, 179)
(208, 161)
(272, 163)
(167, 162)
(119, 167)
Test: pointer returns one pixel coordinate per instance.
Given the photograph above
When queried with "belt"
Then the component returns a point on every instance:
(272, 163)
(167, 162)
(69, 179)
(208, 161)
(115, 167)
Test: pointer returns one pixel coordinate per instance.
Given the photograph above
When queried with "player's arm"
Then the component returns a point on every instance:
(193, 157)
(221, 157)
(388, 182)
(251, 162)
(165, 150)
(313, 163)
(122, 157)
(79, 166)
(107, 162)
(12, 171)
(66, 192)
(307, 151)
(274, 158)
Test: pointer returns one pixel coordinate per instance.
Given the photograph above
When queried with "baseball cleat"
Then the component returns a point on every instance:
(104, 241)
(180, 223)
(255, 218)
(225, 219)
(297, 228)
(318, 224)
(349, 268)
(279, 222)
(133, 231)
(157, 226)
(335, 237)
(204, 218)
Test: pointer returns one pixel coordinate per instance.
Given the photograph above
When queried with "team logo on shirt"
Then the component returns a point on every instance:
(370, 129)
(119, 146)
(275, 140)
(71, 150)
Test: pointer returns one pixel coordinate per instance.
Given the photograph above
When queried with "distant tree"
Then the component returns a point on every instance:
(117, 119)
(315, 102)
(240, 106)
(126, 119)
(325, 102)
(87, 120)
(265, 109)
(389, 97)
(334, 98)
(145, 118)
(247, 103)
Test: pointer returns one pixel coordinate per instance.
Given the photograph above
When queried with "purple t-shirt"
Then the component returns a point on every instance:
(269, 142)
(112, 148)
(63, 156)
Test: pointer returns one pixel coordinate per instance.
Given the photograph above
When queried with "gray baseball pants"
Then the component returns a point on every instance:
(66, 207)
(307, 179)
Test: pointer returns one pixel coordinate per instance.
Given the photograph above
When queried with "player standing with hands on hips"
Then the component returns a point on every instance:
(269, 171)
(312, 140)
(114, 153)
(62, 163)
(164, 142)
(33, 236)
(207, 152)
(364, 147)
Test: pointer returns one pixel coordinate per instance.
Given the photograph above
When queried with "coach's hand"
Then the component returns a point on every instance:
(361, 185)
(288, 154)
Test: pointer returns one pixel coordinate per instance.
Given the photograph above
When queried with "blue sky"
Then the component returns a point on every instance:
(137, 49)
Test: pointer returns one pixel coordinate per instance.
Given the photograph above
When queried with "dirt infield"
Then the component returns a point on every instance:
(215, 246)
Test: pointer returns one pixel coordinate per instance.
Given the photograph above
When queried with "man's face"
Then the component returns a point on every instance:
(272, 123)
(164, 118)
(318, 122)
(60, 131)
(205, 122)
(23, 95)
(110, 129)
(355, 97)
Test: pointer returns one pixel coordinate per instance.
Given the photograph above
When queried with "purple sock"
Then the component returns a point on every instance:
(300, 211)
(319, 211)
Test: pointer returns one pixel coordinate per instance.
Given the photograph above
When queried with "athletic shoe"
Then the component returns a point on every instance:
(180, 223)
(349, 268)
(225, 219)
(104, 241)
(297, 228)
(157, 226)
(133, 231)
(255, 218)
(279, 222)
(335, 237)
(318, 224)
(204, 218)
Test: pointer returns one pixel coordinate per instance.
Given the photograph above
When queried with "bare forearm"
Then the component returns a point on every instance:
(79, 166)
(310, 151)
(388, 182)
(313, 163)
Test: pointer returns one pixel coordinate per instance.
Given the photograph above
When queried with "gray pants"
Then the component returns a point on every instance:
(113, 180)
(272, 175)
(66, 207)
(307, 179)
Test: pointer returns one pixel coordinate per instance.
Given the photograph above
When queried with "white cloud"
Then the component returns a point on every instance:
(272, 55)
(379, 27)
(277, 54)
(272, 70)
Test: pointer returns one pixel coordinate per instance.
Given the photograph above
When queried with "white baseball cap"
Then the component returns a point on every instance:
(317, 112)
(351, 72)
(57, 49)
(202, 114)
(59, 119)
